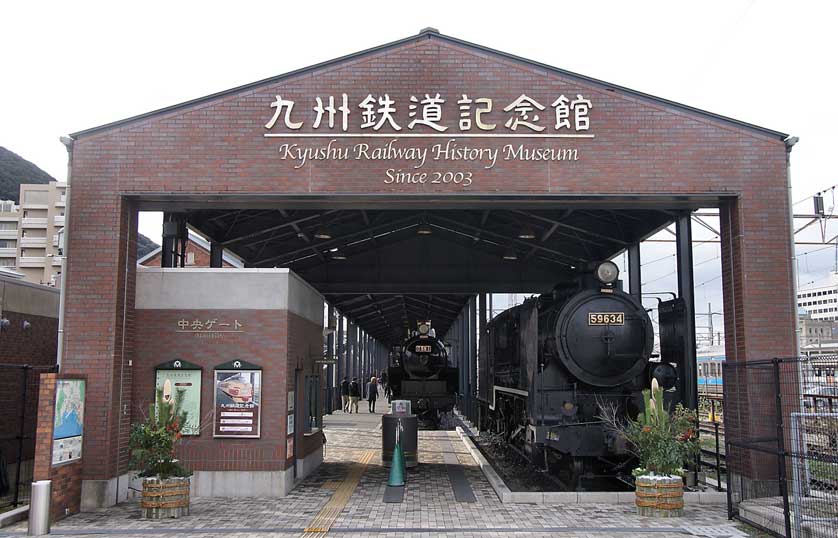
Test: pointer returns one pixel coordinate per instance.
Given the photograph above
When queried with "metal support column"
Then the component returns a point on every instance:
(481, 329)
(350, 349)
(684, 252)
(330, 354)
(472, 357)
(686, 292)
(170, 231)
(360, 361)
(356, 352)
(363, 356)
(356, 362)
(340, 352)
(462, 347)
(217, 255)
(183, 239)
(634, 270)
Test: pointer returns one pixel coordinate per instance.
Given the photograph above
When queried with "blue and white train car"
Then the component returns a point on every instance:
(710, 361)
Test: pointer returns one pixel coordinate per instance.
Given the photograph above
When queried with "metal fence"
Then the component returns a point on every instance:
(711, 429)
(18, 419)
(781, 445)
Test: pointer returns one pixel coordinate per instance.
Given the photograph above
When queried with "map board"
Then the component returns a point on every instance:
(69, 420)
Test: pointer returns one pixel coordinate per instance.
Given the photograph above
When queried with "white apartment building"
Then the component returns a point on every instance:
(9, 220)
(41, 218)
(820, 299)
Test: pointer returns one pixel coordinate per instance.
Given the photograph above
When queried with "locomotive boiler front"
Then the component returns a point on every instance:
(603, 337)
(424, 357)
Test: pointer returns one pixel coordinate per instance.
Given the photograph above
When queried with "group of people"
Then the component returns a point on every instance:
(350, 393)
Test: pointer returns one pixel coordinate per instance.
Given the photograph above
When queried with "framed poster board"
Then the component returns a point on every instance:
(237, 400)
(68, 425)
(182, 379)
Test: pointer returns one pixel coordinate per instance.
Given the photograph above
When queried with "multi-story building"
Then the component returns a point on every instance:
(820, 299)
(816, 331)
(41, 220)
(9, 220)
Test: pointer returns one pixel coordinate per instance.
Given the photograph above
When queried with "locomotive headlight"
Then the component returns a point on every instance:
(607, 272)
(424, 328)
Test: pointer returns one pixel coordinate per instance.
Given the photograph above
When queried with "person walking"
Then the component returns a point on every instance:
(372, 393)
(354, 395)
(344, 394)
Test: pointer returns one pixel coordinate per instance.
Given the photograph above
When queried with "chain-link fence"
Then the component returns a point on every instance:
(781, 425)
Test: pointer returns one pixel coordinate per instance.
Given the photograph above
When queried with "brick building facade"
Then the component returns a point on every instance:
(197, 254)
(279, 321)
(28, 342)
(637, 150)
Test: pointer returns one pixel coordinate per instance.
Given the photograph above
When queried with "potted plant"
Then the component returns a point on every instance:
(663, 441)
(153, 444)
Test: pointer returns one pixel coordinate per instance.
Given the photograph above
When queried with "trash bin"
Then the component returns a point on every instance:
(409, 438)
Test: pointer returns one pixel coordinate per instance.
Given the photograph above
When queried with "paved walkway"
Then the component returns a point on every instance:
(330, 504)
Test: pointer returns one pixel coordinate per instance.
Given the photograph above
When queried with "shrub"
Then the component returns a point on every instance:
(153, 442)
(662, 441)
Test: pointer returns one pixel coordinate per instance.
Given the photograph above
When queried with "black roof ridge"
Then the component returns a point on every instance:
(433, 33)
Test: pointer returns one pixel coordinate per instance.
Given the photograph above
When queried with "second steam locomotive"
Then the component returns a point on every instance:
(547, 366)
(419, 371)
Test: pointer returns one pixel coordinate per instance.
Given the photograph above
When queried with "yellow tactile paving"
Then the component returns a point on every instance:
(324, 519)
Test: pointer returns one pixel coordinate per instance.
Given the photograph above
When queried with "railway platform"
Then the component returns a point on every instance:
(344, 498)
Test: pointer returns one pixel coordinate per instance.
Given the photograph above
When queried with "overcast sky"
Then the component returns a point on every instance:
(73, 65)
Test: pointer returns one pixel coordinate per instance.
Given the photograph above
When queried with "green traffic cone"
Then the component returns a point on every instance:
(397, 467)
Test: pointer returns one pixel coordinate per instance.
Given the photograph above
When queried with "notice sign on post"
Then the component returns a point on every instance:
(238, 400)
(181, 380)
(67, 432)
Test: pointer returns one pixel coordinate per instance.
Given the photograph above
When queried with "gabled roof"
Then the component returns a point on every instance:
(431, 33)
(200, 242)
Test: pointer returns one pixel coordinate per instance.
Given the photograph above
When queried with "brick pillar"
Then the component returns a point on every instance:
(43, 432)
(66, 478)
(760, 310)
(99, 315)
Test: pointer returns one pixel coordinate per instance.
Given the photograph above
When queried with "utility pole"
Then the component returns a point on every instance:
(710, 317)
(710, 326)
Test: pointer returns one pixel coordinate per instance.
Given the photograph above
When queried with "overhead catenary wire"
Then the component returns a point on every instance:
(832, 188)
(674, 272)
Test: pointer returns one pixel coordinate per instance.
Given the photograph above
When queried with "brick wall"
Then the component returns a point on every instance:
(642, 147)
(305, 346)
(35, 347)
(66, 478)
(262, 343)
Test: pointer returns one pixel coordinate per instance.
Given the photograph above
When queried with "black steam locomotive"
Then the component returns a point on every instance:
(546, 366)
(419, 371)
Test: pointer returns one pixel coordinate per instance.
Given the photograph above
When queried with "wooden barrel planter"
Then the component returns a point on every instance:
(165, 498)
(659, 496)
